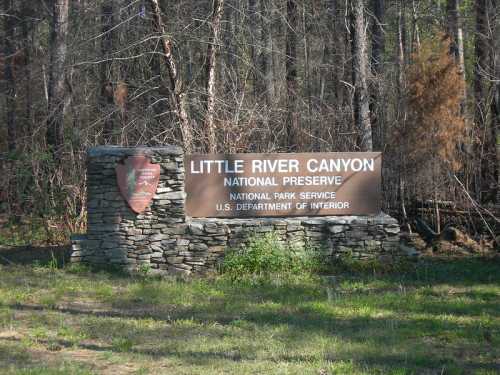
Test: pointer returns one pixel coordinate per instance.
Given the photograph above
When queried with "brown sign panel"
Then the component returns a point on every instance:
(305, 184)
(137, 181)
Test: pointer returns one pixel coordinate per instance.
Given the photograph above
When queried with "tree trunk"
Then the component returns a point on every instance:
(415, 32)
(266, 55)
(212, 60)
(495, 124)
(57, 76)
(175, 83)
(10, 83)
(292, 126)
(28, 12)
(338, 52)
(106, 99)
(306, 86)
(452, 25)
(455, 32)
(378, 44)
(360, 76)
(401, 44)
(252, 25)
(496, 116)
(481, 68)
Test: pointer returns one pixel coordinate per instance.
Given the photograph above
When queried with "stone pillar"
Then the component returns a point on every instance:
(116, 234)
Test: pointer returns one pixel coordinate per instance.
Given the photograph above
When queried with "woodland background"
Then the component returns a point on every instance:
(417, 80)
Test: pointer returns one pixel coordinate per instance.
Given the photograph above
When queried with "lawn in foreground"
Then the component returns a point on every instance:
(437, 318)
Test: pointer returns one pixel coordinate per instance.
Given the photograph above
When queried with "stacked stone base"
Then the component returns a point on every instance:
(165, 240)
(198, 245)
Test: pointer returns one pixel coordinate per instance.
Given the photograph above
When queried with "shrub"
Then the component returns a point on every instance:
(266, 256)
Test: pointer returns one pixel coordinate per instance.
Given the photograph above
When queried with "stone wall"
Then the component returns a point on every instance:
(163, 238)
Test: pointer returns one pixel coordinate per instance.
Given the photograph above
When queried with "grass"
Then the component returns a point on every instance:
(441, 317)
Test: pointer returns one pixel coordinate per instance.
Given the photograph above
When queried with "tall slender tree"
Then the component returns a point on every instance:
(106, 99)
(57, 90)
(174, 80)
(378, 44)
(485, 147)
(212, 62)
(252, 47)
(266, 57)
(292, 121)
(495, 125)
(360, 75)
(10, 83)
(455, 32)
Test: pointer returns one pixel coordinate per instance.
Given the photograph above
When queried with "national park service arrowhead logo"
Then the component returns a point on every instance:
(137, 181)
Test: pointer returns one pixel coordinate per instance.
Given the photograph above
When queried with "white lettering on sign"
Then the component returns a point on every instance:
(311, 180)
(299, 184)
(250, 181)
(217, 166)
(275, 166)
(340, 165)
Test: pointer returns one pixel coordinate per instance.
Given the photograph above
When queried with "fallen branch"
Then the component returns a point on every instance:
(476, 207)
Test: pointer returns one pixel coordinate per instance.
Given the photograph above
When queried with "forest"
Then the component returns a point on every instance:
(418, 80)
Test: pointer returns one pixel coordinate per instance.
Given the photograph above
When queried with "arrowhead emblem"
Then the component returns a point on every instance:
(137, 180)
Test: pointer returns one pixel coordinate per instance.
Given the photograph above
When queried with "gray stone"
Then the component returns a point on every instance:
(337, 228)
(198, 246)
(394, 229)
(175, 195)
(196, 228)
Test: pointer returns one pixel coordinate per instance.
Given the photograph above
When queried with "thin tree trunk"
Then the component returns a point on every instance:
(401, 58)
(10, 83)
(360, 76)
(415, 32)
(106, 99)
(496, 119)
(452, 25)
(401, 42)
(175, 83)
(29, 33)
(252, 25)
(378, 44)
(455, 32)
(266, 54)
(495, 124)
(292, 126)
(340, 53)
(481, 66)
(307, 76)
(57, 89)
(212, 60)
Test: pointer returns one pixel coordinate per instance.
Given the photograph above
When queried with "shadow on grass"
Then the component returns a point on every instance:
(42, 255)
(414, 327)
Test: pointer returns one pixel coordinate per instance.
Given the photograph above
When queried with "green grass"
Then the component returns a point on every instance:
(442, 317)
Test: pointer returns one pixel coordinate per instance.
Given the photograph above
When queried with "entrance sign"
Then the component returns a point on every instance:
(137, 181)
(303, 184)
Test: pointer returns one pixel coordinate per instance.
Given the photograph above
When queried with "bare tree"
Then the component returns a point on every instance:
(57, 89)
(485, 147)
(10, 83)
(292, 122)
(175, 83)
(378, 45)
(455, 32)
(212, 57)
(495, 125)
(360, 75)
(266, 58)
(106, 99)
(252, 47)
